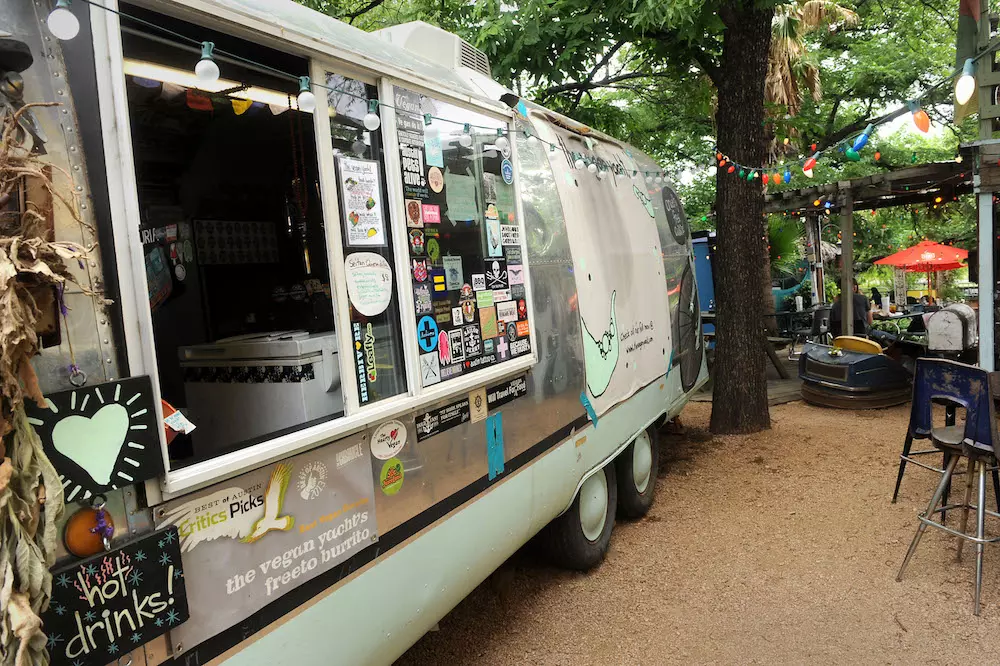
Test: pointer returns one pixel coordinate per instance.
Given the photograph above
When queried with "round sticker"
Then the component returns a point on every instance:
(436, 180)
(511, 332)
(391, 477)
(388, 440)
(466, 292)
(180, 272)
(522, 310)
(369, 282)
(507, 171)
(427, 333)
(433, 250)
(417, 241)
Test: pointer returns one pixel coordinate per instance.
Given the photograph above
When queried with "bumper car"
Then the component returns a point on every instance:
(852, 373)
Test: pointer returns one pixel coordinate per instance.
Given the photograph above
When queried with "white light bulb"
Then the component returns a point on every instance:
(966, 84)
(62, 23)
(592, 168)
(658, 180)
(502, 144)
(808, 172)
(579, 163)
(307, 101)
(359, 147)
(532, 140)
(207, 71)
(649, 179)
(958, 158)
(465, 140)
(372, 121)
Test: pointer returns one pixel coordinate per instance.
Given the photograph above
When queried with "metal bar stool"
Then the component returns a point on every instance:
(907, 456)
(968, 387)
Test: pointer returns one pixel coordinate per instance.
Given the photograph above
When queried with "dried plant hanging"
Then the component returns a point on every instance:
(32, 269)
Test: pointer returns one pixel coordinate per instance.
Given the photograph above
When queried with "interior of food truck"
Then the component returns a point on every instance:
(232, 229)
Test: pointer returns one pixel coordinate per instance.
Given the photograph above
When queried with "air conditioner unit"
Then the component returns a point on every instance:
(437, 45)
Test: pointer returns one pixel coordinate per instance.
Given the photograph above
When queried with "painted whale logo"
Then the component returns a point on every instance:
(644, 200)
(601, 354)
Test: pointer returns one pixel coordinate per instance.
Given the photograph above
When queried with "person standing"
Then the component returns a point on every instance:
(862, 314)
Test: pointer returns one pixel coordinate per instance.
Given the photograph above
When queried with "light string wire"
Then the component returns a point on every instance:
(841, 145)
(427, 117)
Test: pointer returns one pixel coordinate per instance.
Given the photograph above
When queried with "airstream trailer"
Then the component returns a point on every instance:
(356, 325)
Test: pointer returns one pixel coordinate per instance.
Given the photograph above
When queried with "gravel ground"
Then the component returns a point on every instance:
(780, 547)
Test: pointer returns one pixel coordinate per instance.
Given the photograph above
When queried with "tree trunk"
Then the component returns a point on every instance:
(739, 402)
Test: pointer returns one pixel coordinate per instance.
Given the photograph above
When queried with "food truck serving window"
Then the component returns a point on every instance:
(235, 248)
(463, 237)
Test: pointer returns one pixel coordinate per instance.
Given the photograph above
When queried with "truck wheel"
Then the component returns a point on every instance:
(579, 538)
(636, 468)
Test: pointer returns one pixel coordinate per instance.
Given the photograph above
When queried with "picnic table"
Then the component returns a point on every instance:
(771, 343)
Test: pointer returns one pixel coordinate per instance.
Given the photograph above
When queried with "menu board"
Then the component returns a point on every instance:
(361, 199)
(464, 239)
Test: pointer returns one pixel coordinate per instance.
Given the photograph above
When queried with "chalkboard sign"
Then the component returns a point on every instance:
(100, 437)
(112, 603)
(675, 215)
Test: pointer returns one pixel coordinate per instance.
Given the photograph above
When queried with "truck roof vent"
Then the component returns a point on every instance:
(473, 58)
(437, 45)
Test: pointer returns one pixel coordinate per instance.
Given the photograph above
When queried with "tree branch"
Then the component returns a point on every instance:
(367, 8)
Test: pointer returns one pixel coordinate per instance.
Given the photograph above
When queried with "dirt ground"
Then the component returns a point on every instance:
(780, 547)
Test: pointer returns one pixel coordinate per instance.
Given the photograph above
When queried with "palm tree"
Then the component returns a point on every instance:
(788, 62)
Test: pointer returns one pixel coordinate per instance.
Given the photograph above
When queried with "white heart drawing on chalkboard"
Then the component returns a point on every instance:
(95, 443)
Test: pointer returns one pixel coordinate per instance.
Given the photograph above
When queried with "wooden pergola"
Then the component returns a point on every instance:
(921, 184)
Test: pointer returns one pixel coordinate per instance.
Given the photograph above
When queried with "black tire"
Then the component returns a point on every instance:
(563, 540)
(689, 341)
(633, 502)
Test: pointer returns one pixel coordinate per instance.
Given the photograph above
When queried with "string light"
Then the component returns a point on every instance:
(966, 84)
(920, 118)
(371, 120)
(592, 167)
(862, 139)
(502, 144)
(62, 22)
(306, 99)
(465, 139)
(207, 70)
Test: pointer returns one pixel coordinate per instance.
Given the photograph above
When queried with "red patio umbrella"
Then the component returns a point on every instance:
(926, 257)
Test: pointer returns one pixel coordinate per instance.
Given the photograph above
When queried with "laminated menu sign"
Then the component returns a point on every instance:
(361, 201)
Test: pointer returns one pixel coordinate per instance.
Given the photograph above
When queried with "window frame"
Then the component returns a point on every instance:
(130, 266)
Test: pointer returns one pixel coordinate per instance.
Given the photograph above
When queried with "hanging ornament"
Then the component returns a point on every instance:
(206, 70)
(920, 118)
(306, 99)
(89, 530)
(62, 22)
